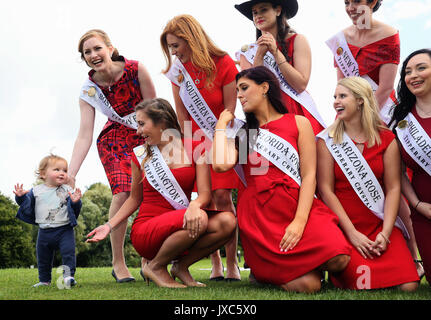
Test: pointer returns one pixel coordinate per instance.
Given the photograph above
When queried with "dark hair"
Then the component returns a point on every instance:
(406, 99)
(283, 29)
(159, 111)
(377, 6)
(261, 75)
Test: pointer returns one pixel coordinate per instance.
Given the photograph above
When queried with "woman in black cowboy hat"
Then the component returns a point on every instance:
(290, 51)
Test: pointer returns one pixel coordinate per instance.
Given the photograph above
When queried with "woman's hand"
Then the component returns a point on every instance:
(292, 236)
(364, 245)
(100, 233)
(193, 220)
(380, 244)
(424, 209)
(71, 181)
(225, 117)
(19, 190)
(268, 43)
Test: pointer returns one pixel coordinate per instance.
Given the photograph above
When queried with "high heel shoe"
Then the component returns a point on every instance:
(193, 283)
(124, 280)
(148, 274)
(421, 271)
(219, 278)
(234, 279)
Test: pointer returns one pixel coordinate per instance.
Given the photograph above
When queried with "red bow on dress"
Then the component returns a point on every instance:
(266, 188)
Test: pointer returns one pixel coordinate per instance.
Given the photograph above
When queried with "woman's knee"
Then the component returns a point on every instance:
(119, 198)
(223, 198)
(338, 263)
(409, 286)
(224, 222)
(306, 284)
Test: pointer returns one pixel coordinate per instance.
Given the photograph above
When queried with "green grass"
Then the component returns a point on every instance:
(98, 284)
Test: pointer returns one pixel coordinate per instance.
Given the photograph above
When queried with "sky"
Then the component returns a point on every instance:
(41, 72)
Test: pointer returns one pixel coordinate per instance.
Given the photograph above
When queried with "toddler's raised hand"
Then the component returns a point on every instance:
(19, 190)
(75, 196)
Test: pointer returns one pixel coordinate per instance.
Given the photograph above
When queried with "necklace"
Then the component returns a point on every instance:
(356, 140)
(111, 82)
(197, 76)
(423, 111)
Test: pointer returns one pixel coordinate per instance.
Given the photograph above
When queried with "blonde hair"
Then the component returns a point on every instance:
(370, 117)
(202, 47)
(100, 34)
(45, 162)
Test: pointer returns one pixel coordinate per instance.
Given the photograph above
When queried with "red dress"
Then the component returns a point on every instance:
(421, 183)
(393, 267)
(266, 208)
(226, 73)
(157, 219)
(116, 141)
(372, 56)
(291, 105)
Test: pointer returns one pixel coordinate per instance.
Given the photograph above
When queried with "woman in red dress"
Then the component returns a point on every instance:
(288, 236)
(376, 48)
(291, 51)
(160, 233)
(213, 73)
(380, 257)
(414, 95)
(124, 83)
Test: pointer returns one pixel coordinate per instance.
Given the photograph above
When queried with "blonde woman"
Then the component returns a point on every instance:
(359, 179)
(203, 83)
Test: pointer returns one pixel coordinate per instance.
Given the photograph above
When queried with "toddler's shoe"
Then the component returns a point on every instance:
(70, 282)
(42, 284)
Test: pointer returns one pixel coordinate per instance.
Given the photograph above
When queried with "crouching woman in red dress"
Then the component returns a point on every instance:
(169, 227)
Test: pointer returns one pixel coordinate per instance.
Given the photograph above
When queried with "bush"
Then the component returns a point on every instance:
(16, 246)
(95, 212)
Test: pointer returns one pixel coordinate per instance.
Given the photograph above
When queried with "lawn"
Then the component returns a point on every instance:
(98, 284)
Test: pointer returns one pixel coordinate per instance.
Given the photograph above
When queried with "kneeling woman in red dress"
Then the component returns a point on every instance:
(359, 179)
(412, 118)
(169, 226)
(288, 236)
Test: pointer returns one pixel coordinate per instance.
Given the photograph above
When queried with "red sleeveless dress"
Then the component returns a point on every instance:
(226, 73)
(393, 267)
(116, 142)
(291, 105)
(266, 208)
(157, 219)
(421, 182)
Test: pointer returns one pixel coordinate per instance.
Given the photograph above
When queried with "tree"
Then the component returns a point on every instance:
(16, 246)
(95, 211)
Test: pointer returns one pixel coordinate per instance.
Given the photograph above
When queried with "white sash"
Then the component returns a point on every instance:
(360, 176)
(304, 98)
(161, 177)
(198, 108)
(350, 68)
(279, 152)
(94, 96)
(415, 141)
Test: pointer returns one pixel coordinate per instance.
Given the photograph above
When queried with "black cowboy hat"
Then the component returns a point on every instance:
(289, 7)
